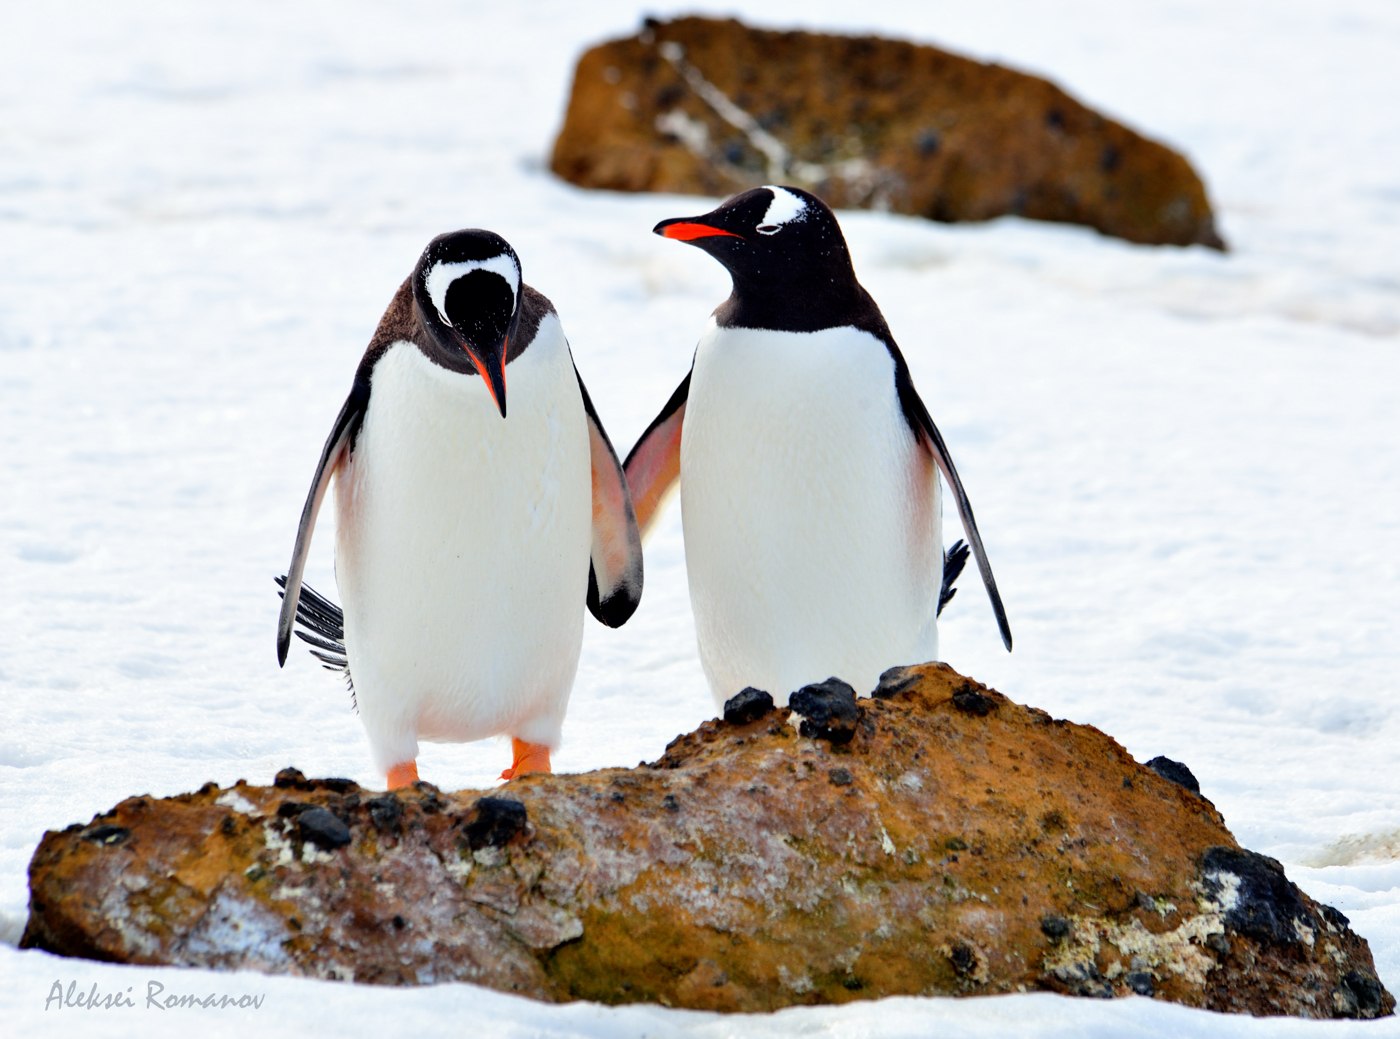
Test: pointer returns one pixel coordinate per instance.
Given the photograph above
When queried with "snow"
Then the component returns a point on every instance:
(1185, 464)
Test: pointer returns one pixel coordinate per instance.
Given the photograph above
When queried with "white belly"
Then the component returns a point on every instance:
(812, 523)
(462, 550)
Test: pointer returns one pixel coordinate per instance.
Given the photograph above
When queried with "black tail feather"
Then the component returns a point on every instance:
(953, 562)
(321, 625)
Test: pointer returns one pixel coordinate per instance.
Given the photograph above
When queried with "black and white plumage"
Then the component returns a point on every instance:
(808, 465)
(469, 535)
(320, 623)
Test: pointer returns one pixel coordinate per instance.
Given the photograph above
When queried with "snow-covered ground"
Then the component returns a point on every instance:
(1185, 464)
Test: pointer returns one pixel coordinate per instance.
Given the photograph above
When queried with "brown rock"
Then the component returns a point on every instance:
(711, 107)
(957, 843)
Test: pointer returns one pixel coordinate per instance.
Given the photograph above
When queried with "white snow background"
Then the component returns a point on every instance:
(1184, 464)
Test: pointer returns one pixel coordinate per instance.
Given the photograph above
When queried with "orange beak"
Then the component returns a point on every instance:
(491, 366)
(688, 230)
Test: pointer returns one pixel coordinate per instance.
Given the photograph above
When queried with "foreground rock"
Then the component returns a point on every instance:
(937, 840)
(711, 107)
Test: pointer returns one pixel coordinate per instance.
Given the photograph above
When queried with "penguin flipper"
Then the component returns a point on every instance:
(347, 424)
(615, 566)
(654, 464)
(919, 419)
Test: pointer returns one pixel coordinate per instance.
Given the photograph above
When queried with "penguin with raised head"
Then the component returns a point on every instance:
(808, 465)
(467, 542)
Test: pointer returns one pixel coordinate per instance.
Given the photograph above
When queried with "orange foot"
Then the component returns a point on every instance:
(402, 775)
(529, 757)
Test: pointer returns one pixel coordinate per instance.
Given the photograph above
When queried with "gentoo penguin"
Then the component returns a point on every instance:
(808, 465)
(467, 541)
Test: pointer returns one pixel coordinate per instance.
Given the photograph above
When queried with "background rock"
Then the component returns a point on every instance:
(958, 843)
(710, 107)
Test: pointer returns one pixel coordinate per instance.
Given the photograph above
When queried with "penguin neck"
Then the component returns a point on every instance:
(802, 303)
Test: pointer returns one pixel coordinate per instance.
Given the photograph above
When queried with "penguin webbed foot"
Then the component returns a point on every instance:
(953, 562)
(404, 774)
(527, 758)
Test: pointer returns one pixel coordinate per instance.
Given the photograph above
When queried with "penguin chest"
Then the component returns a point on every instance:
(810, 514)
(463, 543)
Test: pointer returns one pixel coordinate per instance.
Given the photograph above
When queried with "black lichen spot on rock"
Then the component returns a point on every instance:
(430, 800)
(964, 959)
(1265, 903)
(971, 700)
(399, 922)
(928, 144)
(291, 779)
(748, 705)
(1141, 982)
(1334, 916)
(1109, 159)
(1176, 772)
(322, 828)
(1054, 927)
(386, 813)
(840, 777)
(1083, 979)
(670, 803)
(498, 819)
(292, 809)
(1053, 821)
(1361, 995)
(828, 710)
(106, 834)
(337, 785)
(894, 681)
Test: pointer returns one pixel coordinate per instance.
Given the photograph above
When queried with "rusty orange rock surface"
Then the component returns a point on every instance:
(959, 843)
(711, 107)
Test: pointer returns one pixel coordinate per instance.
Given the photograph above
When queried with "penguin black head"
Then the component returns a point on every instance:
(784, 250)
(467, 286)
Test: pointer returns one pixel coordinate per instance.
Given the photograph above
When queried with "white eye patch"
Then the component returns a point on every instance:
(442, 275)
(784, 209)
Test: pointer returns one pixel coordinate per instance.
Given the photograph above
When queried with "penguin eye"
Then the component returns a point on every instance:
(769, 228)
